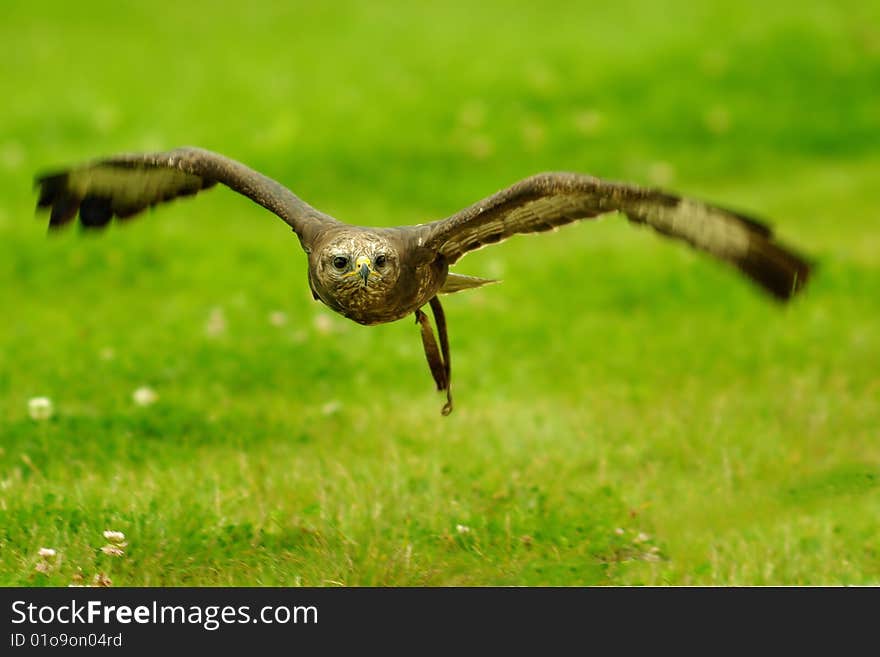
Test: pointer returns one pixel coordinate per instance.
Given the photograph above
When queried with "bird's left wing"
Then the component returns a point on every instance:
(546, 201)
(124, 185)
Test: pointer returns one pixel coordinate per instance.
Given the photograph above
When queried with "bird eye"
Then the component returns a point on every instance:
(380, 261)
(340, 262)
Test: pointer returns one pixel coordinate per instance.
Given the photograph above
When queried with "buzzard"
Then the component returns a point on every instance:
(376, 275)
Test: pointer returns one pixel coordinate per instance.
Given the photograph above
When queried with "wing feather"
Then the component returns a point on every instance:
(547, 201)
(123, 186)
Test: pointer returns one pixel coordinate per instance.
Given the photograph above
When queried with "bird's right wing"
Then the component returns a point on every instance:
(124, 185)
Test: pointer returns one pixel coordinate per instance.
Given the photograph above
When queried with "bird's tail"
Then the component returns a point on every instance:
(459, 282)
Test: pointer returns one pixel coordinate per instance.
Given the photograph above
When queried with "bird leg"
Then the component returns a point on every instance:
(440, 321)
(438, 358)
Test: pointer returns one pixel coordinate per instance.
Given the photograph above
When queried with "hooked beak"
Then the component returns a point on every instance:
(363, 268)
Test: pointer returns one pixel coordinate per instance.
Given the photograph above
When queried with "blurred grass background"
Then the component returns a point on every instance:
(627, 412)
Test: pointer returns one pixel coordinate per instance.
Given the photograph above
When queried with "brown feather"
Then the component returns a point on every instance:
(125, 185)
(547, 201)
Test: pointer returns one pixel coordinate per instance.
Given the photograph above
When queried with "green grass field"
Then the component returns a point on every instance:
(627, 412)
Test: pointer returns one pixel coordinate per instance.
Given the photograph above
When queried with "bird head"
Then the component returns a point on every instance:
(355, 266)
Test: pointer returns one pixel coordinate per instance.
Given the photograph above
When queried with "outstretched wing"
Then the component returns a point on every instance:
(125, 185)
(546, 201)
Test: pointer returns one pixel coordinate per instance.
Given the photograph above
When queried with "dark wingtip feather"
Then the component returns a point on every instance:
(95, 211)
(50, 186)
(55, 195)
(64, 209)
(780, 271)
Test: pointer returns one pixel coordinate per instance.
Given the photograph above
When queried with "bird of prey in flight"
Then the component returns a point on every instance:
(376, 275)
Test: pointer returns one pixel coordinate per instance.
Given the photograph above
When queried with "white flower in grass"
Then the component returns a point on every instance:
(463, 529)
(116, 543)
(331, 407)
(114, 537)
(40, 408)
(277, 318)
(100, 579)
(144, 396)
(216, 324)
(323, 324)
(47, 560)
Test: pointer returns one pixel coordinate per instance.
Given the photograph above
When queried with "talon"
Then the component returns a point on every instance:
(447, 407)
